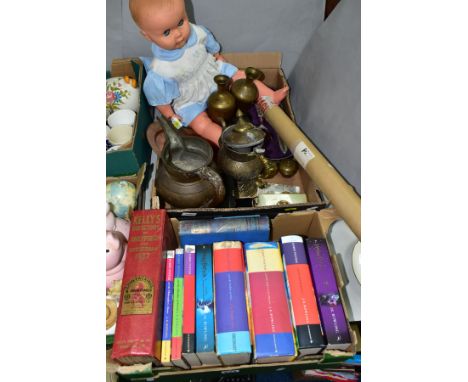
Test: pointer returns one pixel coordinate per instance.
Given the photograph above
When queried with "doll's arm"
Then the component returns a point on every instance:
(219, 57)
(169, 113)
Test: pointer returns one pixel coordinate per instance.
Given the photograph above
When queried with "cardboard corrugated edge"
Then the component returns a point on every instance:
(242, 60)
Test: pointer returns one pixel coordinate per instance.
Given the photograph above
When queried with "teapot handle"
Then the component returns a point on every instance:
(207, 173)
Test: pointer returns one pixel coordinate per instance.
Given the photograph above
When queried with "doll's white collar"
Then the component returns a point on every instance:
(172, 55)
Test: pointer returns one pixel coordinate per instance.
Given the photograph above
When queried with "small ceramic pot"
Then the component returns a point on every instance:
(120, 135)
(121, 117)
(121, 95)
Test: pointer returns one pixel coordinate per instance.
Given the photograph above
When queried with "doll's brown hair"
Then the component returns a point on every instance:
(138, 7)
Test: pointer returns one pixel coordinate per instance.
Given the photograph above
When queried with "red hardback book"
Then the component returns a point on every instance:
(139, 322)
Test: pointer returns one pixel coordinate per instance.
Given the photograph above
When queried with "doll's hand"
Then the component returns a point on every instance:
(219, 57)
(176, 121)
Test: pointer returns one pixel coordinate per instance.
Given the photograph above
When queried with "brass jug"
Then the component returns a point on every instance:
(185, 177)
(221, 103)
(242, 166)
(288, 167)
(239, 149)
(245, 91)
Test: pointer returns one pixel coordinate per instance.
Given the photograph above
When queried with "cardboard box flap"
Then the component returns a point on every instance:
(327, 217)
(264, 60)
(303, 223)
(121, 67)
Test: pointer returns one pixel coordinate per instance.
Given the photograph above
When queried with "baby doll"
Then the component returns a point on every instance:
(185, 60)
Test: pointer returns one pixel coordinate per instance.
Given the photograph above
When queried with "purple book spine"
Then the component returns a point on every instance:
(326, 290)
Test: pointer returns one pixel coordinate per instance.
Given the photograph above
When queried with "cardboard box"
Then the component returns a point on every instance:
(304, 223)
(270, 64)
(129, 159)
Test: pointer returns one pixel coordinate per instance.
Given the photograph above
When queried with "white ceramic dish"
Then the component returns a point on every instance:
(121, 117)
(120, 135)
(357, 261)
(343, 242)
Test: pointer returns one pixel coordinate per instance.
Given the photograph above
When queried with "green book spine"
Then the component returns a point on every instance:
(178, 304)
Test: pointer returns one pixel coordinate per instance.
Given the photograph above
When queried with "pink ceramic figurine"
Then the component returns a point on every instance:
(116, 252)
(185, 60)
(117, 231)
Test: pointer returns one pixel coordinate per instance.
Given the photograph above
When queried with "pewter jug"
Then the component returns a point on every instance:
(185, 176)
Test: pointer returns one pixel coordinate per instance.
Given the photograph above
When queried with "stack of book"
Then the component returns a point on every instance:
(231, 302)
(259, 302)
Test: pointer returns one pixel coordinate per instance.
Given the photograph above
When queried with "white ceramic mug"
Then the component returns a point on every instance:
(120, 134)
(121, 117)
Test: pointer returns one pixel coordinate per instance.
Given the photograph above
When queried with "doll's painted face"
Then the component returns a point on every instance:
(166, 25)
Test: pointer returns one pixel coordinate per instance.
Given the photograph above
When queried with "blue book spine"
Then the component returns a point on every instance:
(232, 325)
(236, 228)
(204, 329)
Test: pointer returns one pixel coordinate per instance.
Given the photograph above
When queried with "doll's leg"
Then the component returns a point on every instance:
(206, 128)
(276, 95)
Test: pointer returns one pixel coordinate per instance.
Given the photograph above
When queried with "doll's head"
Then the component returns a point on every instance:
(163, 22)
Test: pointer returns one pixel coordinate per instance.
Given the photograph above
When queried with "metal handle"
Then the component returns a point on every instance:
(207, 173)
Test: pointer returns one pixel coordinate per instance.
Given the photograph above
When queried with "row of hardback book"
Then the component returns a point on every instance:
(230, 303)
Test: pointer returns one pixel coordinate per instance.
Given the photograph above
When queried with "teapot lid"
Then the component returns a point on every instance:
(233, 137)
(243, 133)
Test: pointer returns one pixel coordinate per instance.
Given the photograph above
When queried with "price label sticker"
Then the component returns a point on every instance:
(303, 154)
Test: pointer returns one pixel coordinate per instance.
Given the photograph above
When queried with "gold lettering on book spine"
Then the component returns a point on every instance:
(138, 296)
